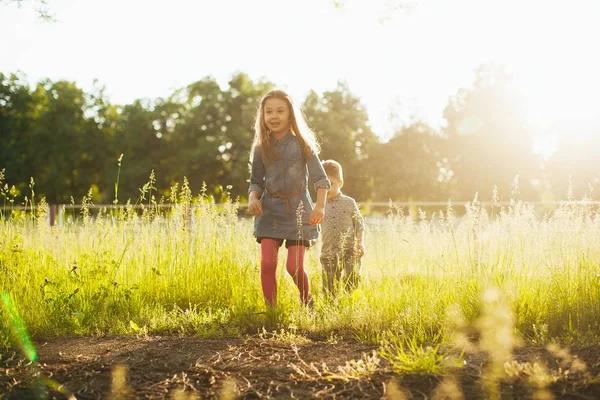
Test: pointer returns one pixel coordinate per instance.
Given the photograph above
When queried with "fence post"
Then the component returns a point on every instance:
(52, 214)
(61, 213)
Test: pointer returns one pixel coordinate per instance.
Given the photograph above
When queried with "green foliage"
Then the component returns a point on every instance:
(193, 268)
(48, 136)
(407, 356)
(420, 168)
(489, 141)
(69, 141)
(341, 124)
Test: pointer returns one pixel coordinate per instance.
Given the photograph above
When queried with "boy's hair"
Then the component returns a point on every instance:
(298, 126)
(333, 169)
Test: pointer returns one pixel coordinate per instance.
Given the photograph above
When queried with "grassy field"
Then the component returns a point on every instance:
(491, 280)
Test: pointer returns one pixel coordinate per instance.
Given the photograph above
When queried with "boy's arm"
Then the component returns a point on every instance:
(360, 243)
(359, 228)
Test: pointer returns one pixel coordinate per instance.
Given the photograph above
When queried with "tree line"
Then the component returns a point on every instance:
(71, 142)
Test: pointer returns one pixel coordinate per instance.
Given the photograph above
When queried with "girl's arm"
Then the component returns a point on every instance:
(318, 212)
(257, 184)
(317, 175)
(254, 205)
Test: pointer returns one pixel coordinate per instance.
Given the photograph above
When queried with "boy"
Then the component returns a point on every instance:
(343, 234)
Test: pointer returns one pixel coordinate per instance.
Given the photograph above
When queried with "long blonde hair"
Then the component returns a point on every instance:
(298, 126)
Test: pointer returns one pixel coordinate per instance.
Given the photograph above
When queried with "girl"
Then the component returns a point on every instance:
(284, 157)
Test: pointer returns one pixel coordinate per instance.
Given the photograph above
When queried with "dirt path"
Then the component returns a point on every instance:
(170, 367)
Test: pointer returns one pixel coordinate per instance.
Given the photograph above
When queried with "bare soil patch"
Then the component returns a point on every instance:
(167, 367)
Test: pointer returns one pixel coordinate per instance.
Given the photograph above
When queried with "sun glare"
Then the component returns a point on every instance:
(562, 107)
(556, 72)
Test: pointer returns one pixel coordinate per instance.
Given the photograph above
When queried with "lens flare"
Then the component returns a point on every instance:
(17, 326)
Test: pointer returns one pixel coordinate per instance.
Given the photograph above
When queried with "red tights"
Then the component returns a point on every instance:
(294, 265)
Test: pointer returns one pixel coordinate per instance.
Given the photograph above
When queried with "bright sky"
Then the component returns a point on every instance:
(413, 61)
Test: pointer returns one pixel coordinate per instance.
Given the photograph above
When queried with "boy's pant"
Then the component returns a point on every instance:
(336, 264)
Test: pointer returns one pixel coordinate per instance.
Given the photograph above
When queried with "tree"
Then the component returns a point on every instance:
(489, 141)
(16, 108)
(241, 100)
(63, 161)
(48, 138)
(574, 167)
(341, 124)
(411, 165)
(138, 137)
(193, 129)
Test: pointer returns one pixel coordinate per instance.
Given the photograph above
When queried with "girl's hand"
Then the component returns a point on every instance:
(255, 207)
(317, 214)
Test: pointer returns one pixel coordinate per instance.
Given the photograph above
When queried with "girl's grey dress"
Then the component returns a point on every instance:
(283, 186)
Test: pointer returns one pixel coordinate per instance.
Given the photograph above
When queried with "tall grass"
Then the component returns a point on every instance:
(195, 270)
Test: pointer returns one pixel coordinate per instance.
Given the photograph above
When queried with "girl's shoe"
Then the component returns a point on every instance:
(310, 303)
